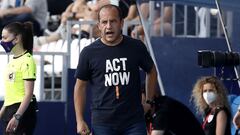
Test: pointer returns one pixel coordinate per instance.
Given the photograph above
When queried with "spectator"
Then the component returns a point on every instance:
(18, 113)
(81, 10)
(24, 10)
(75, 11)
(113, 73)
(166, 117)
(165, 20)
(210, 98)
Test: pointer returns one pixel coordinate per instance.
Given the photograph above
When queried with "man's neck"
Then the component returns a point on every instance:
(119, 40)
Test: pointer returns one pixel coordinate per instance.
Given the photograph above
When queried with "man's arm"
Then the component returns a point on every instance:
(151, 82)
(79, 104)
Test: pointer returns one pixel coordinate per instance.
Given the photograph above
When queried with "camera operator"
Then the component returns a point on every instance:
(168, 116)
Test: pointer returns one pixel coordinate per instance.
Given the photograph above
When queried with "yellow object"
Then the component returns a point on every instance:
(18, 70)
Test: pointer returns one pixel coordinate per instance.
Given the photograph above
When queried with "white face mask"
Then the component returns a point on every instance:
(209, 97)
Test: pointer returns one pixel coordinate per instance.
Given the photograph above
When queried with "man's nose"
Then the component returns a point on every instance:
(109, 25)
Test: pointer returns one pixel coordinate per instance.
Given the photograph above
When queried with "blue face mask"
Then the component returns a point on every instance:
(7, 46)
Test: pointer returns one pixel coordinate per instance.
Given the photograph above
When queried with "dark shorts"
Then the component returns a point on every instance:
(26, 123)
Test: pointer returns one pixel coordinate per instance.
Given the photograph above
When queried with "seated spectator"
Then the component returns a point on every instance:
(156, 28)
(164, 17)
(34, 11)
(210, 98)
(80, 9)
(75, 11)
(169, 117)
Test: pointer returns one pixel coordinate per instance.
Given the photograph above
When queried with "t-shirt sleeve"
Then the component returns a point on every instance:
(29, 69)
(33, 4)
(83, 71)
(146, 61)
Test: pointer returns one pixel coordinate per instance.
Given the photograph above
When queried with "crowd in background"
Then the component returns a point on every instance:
(208, 94)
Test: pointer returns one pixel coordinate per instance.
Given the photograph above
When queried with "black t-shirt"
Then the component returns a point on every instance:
(114, 76)
(175, 118)
(210, 126)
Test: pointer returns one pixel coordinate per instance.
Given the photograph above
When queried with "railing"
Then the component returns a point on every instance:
(53, 63)
(45, 86)
(233, 5)
(187, 19)
(51, 84)
(202, 15)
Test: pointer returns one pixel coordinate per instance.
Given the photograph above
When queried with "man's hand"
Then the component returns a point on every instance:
(82, 128)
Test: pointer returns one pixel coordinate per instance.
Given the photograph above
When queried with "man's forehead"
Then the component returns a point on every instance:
(108, 10)
(108, 14)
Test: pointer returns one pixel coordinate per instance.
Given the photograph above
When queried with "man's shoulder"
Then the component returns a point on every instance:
(93, 45)
(132, 40)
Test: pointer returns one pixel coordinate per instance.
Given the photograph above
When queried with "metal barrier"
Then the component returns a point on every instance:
(49, 86)
(188, 20)
(52, 66)
(53, 84)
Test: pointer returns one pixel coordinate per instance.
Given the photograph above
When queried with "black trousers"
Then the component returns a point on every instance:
(26, 124)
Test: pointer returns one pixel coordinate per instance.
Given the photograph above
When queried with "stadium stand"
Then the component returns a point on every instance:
(179, 53)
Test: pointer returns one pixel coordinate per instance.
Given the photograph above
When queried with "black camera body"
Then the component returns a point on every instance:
(207, 58)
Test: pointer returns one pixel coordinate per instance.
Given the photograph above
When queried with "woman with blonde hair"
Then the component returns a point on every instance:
(210, 98)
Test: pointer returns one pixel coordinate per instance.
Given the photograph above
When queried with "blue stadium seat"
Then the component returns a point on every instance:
(231, 98)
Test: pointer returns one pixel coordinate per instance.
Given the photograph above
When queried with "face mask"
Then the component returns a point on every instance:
(8, 46)
(209, 97)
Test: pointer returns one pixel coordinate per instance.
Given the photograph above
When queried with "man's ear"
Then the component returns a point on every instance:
(98, 25)
(122, 23)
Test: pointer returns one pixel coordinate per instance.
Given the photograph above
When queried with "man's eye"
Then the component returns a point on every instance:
(104, 22)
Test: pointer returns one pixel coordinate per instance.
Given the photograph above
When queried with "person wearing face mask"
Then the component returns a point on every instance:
(18, 113)
(210, 98)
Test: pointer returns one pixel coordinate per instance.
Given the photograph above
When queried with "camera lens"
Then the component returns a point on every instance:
(207, 58)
